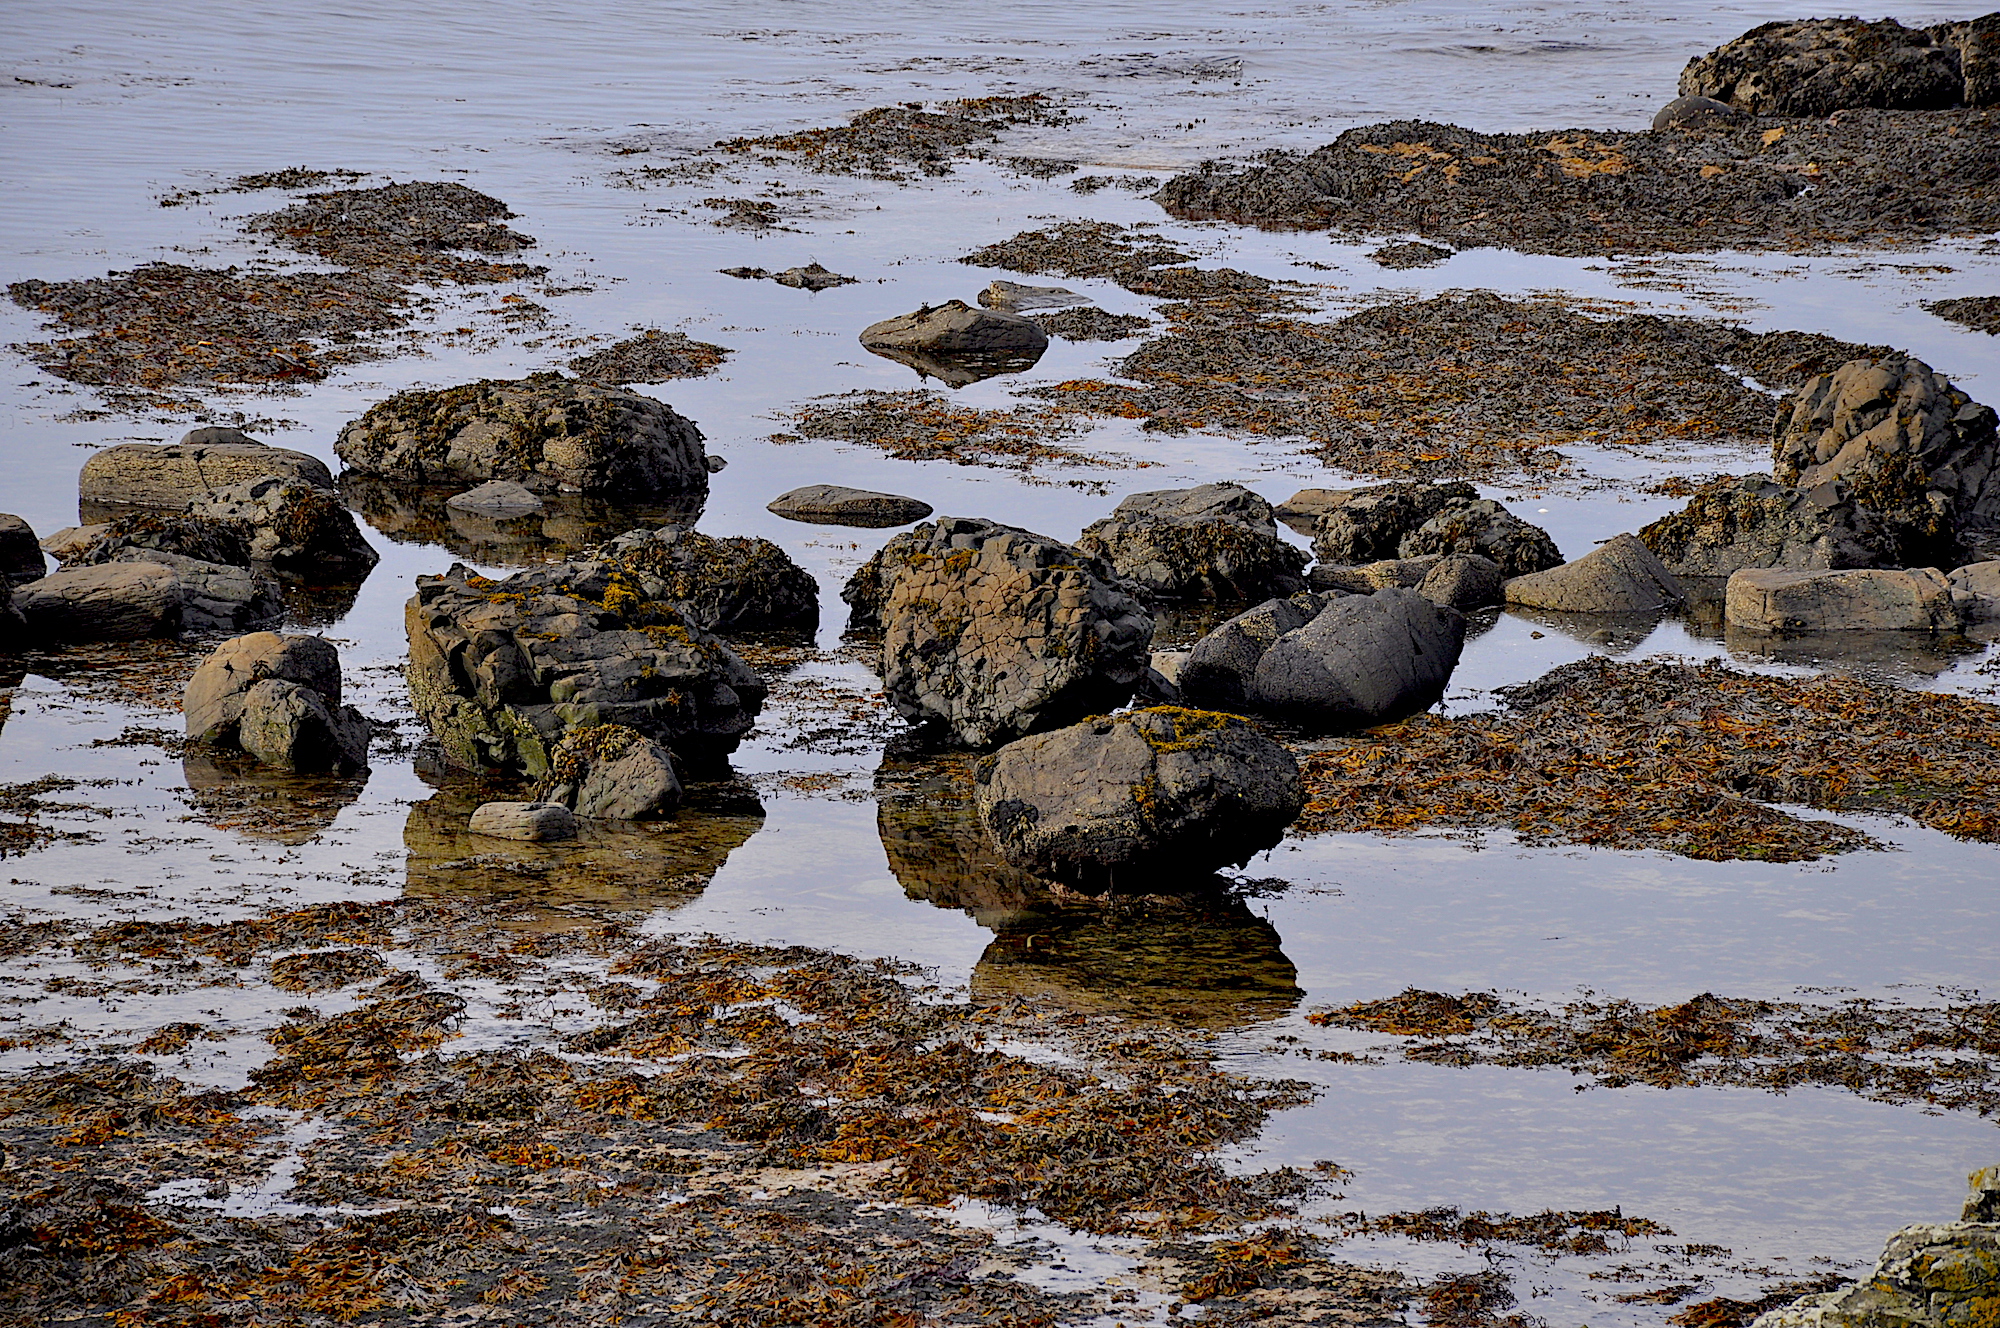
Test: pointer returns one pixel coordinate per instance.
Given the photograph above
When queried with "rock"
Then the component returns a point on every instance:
(14, 634)
(1303, 509)
(68, 544)
(215, 597)
(991, 632)
(103, 602)
(533, 821)
(500, 670)
(1368, 578)
(1356, 526)
(1619, 576)
(1412, 253)
(831, 504)
(293, 526)
(203, 538)
(1977, 42)
(612, 773)
(1138, 800)
(171, 476)
(1013, 297)
(1861, 599)
(21, 557)
(1216, 541)
(1363, 660)
(290, 726)
(544, 431)
(812, 276)
(1160, 684)
(213, 702)
(1697, 113)
(1975, 591)
(1486, 528)
(1464, 581)
(1815, 66)
(1930, 1275)
(1221, 668)
(1911, 447)
(730, 585)
(1406, 520)
(1749, 521)
(497, 498)
(958, 344)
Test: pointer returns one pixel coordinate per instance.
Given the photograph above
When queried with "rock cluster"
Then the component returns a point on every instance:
(501, 670)
(278, 699)
(990, 632)
(1463, 581)
(168, 477)
(1816, 66)
(1405, 520)
(1217, 541)
(1140, 799)
(545, 431)
(728, 585)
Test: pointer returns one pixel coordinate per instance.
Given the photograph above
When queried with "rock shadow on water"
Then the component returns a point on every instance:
(567, 524)
(961, 369)
(618, 865)
(234, 792)
(1198, 958)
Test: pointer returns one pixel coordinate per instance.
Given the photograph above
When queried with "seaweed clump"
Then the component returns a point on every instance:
(919, 425)
(651, 357)
(900, 142)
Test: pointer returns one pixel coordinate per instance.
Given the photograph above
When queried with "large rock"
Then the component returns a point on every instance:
(1140, 799)
(730, 585)
(1916, 450)
(1303, 509)
(1930, 1275)
(103, 602)
(545, 431)
(612, 773)
(293, 526)
(203, 538)
(991, 632)
(1216, 541)
(1405, 520)
(500, 670)
(171, 476)
(216, 597)
(1862, 599)
(290, 726)
(956, 328)
(831, 504)
(1219, 670)
(21, 557)
(1355, 526)
(1815, 66)
(212, 705)
(1363, 660)
(1749, 521)
(1975, 591)
(1464, 581)
(1487, 529)
(1619, 576)
(1977, 42)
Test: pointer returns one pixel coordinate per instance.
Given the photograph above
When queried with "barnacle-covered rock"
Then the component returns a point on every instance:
(728, 585)
(501, 670)
(1216, 541)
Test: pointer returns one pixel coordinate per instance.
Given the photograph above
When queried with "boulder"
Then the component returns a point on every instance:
(992, 632)
(501, 669)
(1355, 526)
(1930, 1275)
(611, 773)
(1815, 66)
(1013, 297)
(956, 328)
(1977, 42)
(1405, 520)
(545, 431)
(1161, 684)
(1216, 541)
(293, 526)
(122, 601)
(1219, 670)
(1363, 660)
(831, 504)
(1748, 521)
(13, 626)
(729, 585)
(1303, 509)
(1698, 113)
(1975, 591)
(21, 557)
(170, 476)
(213, 702)
(1861, 599)
(1464, 581)
(1483, 527)
(533, 821)
(1911, 447)
(1140, 800)
(188, 535)
(291, 726)
(1619, 576)
(215, 597)
(499, 499)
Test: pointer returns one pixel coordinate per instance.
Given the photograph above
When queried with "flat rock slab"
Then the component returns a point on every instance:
(103, 602)
(835, 505)
(497, 498)
(1621, 575)
(170, 476)
(1858, 599)
(534, 821)
(955, 327)
(1013, 297)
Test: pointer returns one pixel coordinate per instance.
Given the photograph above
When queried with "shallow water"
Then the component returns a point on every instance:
(108, 108)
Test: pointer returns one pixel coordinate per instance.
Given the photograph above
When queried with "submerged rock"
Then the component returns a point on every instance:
(1013, 297)
(812, 276)
(501, 670)
(833, 504)
(545, 431)
(1748, 521)
(170, 476)
(293, 527)
(1862, 599)
(21, 556)
(1216, 541)
(1815, 66)
(533, 821)
(1619, 576)
(992, 632)
(1141, 800)
(498, 498)
(729, 585)
(612, 773)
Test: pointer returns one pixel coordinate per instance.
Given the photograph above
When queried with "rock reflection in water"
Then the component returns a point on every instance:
(233, 792)
(1200, 959)
(1888, 654)
(1617, 633)
(610, 864)
(962, 369)
(567, 523)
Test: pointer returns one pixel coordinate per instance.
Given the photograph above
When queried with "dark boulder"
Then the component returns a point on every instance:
(1742, 521)
(729, 585)
(21, 557)
(1816, 66)
(1216, 541)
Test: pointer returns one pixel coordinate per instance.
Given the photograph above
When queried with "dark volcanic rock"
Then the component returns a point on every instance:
(546, 431)
(500, 670)
(1697, 113)
(1216, 541)
(991, 632)
(729, 585)
(1619, 576)
(1363, 660)
(1220, 669)
(1748, 521)
(1816, 66)
(1355, 526)
(1416, 520)
(1977, 42)
(1485, 528)
(1140, 800)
